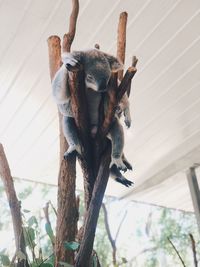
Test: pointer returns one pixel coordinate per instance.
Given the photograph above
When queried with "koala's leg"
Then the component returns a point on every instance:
(71, 135)
(118, 177)
(116, 135)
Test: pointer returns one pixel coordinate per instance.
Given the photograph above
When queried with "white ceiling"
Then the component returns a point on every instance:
(165, 101)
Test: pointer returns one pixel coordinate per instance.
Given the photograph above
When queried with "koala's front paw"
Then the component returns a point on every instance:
(118, 163)
(73, 149)
(72, 64)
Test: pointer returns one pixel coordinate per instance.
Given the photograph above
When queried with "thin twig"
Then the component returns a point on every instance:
(142, 252)
(194, 250)
(120, 225)
(183, 263)
(53, 208)
(112, 241)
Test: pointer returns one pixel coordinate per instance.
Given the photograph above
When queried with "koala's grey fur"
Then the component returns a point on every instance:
(98, 67)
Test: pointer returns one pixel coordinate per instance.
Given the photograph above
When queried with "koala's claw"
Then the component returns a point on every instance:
(118, 163)
(127, 117)
(71, 151)
(73, 64)
(69, 154)
(124, 181)
(127, 122)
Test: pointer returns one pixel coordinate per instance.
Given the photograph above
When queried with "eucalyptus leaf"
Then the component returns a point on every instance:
(71, 245)
(26, 211)
(124, 260)
(4, 260)
(46, 264)
(65, 264)
(94, 261)
(32, 220)
(29, 235)
(49, 232)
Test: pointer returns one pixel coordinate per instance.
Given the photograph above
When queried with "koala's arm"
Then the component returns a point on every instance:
(60, 88)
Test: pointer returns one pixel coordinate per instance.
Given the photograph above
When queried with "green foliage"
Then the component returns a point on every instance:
(150, 233)
(32, 221)
(65, 264)
(29, 236)
(94, 261)
(46, 265)
(71, 245)
(4, 259)
(25, 193)
(49, 232)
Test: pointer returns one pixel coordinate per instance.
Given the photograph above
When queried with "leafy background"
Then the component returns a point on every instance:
(142, 240)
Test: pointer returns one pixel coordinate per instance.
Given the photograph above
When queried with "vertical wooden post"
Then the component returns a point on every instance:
(121, 40)
(195, 192)
(67, 214)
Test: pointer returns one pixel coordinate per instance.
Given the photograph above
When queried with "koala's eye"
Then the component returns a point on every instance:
(89, 78)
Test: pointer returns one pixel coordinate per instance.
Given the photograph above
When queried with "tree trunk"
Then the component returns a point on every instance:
(15, 206)
(67, 213)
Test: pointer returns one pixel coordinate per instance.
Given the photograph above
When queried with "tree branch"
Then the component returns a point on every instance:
(80, 112)
(15, 206)
(194, 250)
(112, 241)
(85, 250)
(134, 63)
(125, 83)
(176, 252)
(120, 225)
(69, 37)
(121, 40)
(67, 214)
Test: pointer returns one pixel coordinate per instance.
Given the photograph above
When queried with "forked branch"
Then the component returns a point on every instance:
(69, 37)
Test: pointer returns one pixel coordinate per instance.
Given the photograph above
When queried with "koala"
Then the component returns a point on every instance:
(98, 67)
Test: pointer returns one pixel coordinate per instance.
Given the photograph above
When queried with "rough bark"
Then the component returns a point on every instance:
(69, 37)
(83, 257)
(121, 40)
(79, 108)
(115, 93)
(95, 157)
(125, 82)
(15, 206)
(67, 214)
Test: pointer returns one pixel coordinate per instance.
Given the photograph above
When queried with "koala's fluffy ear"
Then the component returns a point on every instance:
(115, 64)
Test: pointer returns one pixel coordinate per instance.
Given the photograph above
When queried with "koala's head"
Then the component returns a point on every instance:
(98, 67)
